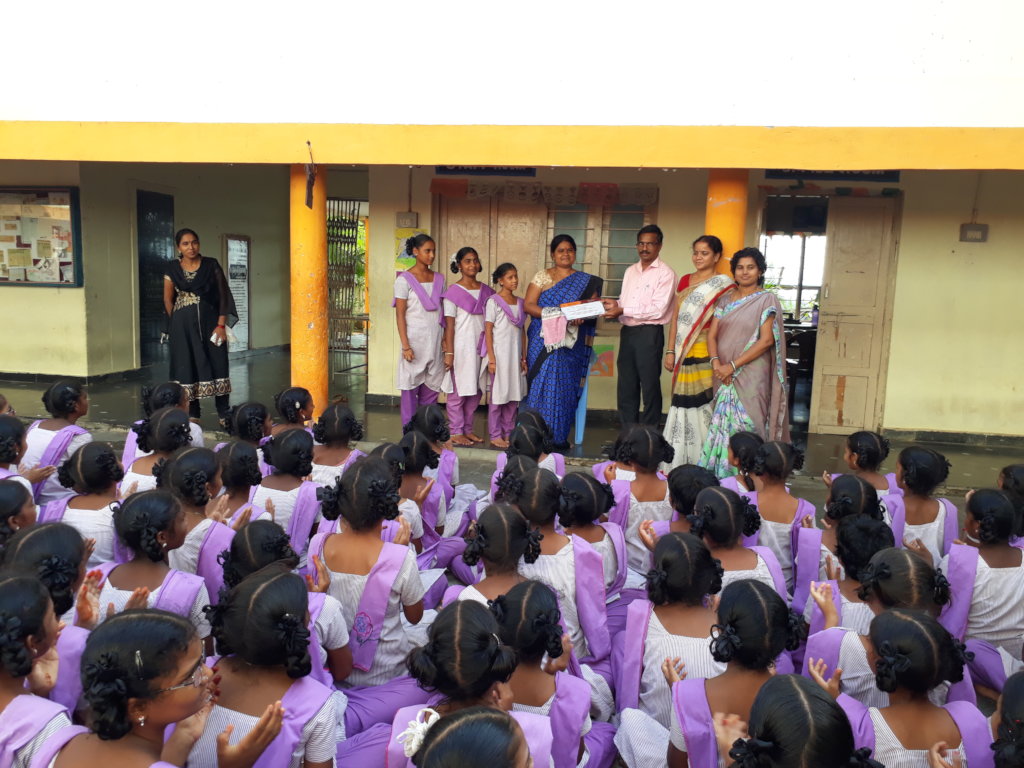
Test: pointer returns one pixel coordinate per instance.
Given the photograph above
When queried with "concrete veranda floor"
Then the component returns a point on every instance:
(114, 405)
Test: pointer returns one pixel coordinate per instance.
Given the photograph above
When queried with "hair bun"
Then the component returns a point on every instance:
(747, 752)
(861, 758)
(942, 592)
(725, 641)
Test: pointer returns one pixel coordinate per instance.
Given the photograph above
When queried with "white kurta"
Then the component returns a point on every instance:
(424, 333)
(509, 383)
(467, 366)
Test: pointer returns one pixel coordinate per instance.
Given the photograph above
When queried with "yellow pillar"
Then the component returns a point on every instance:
(726, 213)
(309, 285)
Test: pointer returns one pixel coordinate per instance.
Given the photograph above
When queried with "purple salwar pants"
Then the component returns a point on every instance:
(414, 398)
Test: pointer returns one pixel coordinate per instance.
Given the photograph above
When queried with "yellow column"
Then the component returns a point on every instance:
(726, 213)
(309, 285)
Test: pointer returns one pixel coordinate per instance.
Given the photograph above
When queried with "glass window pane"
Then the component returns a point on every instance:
(570, 220)
(623, 238)
(612, 288)
(616, 271)
(814, 260)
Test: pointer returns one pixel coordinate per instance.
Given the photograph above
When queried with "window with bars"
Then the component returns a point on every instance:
(605, 238)
(796, 266)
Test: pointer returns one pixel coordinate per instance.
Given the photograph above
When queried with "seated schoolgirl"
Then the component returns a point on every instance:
(723, 519)
(685, 482)
(642, 449)
(296, 509)
(463, 665)
(743, 448)
(419, 486)
(499, 539)
(28, 638)
(913, 655)
(531, 442)
(513, 466)
(864, 453)
(408, 507)
(192, 475)
(795, 724)
(1011, 482)
(754, 627)
(432, 421)
(262, 637)
(585, 503)
(848, 495)
(159, 436)
(674, 623)
(334, 432)
(529, 621)
(17, 509)
(571, 567)
(142, 672)
(917, 516)
(250, 422)
(473, 736)
(169, 394)
(13, 445)
(49, 442)
(781, 513)
(240, 478)
(295, 406)
(893, 578)
(151, 525)
(986, 570)
(375, 581)
(858, 539)
(1007, 726)
(93, 473)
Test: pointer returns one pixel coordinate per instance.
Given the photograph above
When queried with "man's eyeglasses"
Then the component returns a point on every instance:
(647, 246)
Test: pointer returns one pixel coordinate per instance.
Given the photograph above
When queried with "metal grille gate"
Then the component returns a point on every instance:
(348, 322)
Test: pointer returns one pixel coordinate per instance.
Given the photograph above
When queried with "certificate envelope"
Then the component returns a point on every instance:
(583, 310)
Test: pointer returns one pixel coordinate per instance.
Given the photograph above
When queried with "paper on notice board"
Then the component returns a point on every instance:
(19, 257)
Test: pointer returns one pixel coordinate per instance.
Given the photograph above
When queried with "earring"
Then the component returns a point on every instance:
(142, 720)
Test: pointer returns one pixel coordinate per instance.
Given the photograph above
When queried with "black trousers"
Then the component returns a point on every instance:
(640, 350)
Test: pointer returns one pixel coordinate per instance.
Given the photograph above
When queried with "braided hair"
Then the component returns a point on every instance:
(914, 652)
(166, 395)
(537, 493)
(191, 475)
(12, 437)
(432, 421)
(167, 430)
(998, 519)
(1011, 482)
(61, 398)
(337, 425)
(24, 605)
(852, 495)
(754, 626)
(684, 483)
(923, 470)
(394, 455)
(722, 516)
(416, 241)
(683, 571)
(123, 659)
(796, 724)
(239, 465)
(585, 500)
(93, 468)
(528, 441)
(531, 417)
(870, 448)
(290, 452)
(364, 495)
(54, 553)
(1009, 743)
(141, 518)
(15, 501)
(248, 422)
(290, 401)
(501, 537)
(898, 578)
(777, 460)
(743, 446)
(509, 479)
(262, 620)
(471, 736)
(419, 452)
(529, 621)
(463, 657)
(858, 539)
(255, 546)
(644, 447)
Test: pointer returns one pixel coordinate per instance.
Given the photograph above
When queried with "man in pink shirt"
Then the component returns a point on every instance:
(644, 306)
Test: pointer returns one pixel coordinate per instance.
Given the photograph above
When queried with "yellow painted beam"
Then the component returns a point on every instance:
(726, 212)
(309, 363)
(601, 146)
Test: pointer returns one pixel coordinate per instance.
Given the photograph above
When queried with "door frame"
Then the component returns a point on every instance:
(133, 187)
(878, 410)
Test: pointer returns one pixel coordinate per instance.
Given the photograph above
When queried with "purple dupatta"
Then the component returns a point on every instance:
(618, 539)
(629, 654)
(568, 713)
(690, 702)
(806, 564)
(217, 539)
(70, 646)
(963, 569)
(319, 672)
(898, 514)
(21, 721)
(55, 450)
(304, 513)
(461, 298)
(590, 598)
(432, 301)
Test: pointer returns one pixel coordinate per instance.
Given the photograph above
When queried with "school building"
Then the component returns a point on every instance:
(891, 209)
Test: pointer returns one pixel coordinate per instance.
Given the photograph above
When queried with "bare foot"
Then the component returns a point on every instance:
(475, 437)
(499, 442)
(461, 440)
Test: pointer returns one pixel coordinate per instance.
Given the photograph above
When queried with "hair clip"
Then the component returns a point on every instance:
(138, 662)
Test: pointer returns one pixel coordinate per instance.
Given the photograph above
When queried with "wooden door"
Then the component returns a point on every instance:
(856, 306)
(522, 231)
(500, 231)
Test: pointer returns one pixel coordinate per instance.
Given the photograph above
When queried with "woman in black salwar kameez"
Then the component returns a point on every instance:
(198, 305)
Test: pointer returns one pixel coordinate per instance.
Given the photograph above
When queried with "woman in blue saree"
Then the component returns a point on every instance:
(557, 352)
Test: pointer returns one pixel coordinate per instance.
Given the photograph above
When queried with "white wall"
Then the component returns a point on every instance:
(574, 62)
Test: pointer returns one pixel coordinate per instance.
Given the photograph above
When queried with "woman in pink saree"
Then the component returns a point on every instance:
(746, 343)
